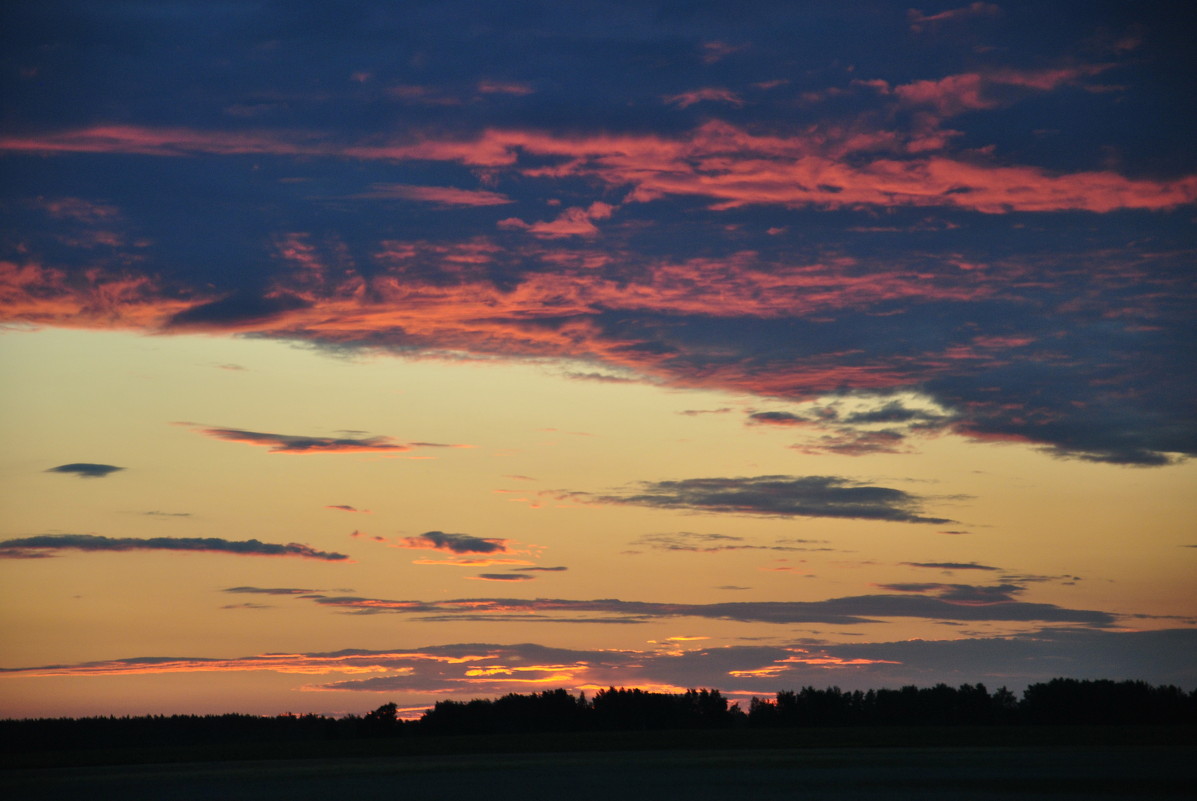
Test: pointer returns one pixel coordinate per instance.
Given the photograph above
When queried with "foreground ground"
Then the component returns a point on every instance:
(891, 773)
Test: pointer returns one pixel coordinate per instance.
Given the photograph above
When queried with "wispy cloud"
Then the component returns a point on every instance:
(714, 543)
(53, 544)
(951, 565)
(920, 21)
(271, 590)
(710, 93)
(300, 444)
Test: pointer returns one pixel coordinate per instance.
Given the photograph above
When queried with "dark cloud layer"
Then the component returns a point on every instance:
(53, 544)
(998, 220)
(85, 469)
(776, 496)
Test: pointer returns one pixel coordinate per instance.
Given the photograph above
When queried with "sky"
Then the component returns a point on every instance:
(359, 353)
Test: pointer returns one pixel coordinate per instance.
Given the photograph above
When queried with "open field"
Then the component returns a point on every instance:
(893, 773)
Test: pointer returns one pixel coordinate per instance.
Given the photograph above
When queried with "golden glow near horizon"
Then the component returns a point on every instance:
(534, 437)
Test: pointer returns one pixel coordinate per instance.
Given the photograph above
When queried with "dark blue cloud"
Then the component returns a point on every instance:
(85, 469)
(780, 496)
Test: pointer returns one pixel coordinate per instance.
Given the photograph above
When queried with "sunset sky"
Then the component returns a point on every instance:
(367, 352)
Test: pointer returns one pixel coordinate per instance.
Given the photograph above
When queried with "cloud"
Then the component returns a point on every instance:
(501, 577)
(573, 221)
(342, 507)
(505, 88)
(712, 94)
(943, 602)
(270, 590)
(777, 419)
(774, 496)
(714, 543)
(85, 469)
(52, 544)
(920, 21)
(456, 543)
(967, 594)
(857, 321)
(847, 442)
(471, 561)
(951, 565)
(289, 443)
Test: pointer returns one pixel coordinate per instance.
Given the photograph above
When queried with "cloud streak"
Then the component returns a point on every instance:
(929, 601)
(49, 545)
(299, 444)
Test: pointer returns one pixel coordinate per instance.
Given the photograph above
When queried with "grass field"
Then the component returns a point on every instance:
(894, 773)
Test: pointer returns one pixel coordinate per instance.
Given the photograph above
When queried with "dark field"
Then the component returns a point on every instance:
(1078, 765)
(834, 773)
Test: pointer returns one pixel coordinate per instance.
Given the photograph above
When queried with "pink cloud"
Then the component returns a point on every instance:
(504, 87)
(574, 221)
(440, 195)
(919, 20)
(722, 163)
(717, 51)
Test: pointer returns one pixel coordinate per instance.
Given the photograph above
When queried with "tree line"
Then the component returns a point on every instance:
(1057, 702)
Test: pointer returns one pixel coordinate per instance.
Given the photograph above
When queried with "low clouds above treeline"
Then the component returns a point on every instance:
(470, 670)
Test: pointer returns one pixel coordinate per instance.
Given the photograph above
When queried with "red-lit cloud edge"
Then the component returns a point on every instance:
(479, 669)
(559, 313)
